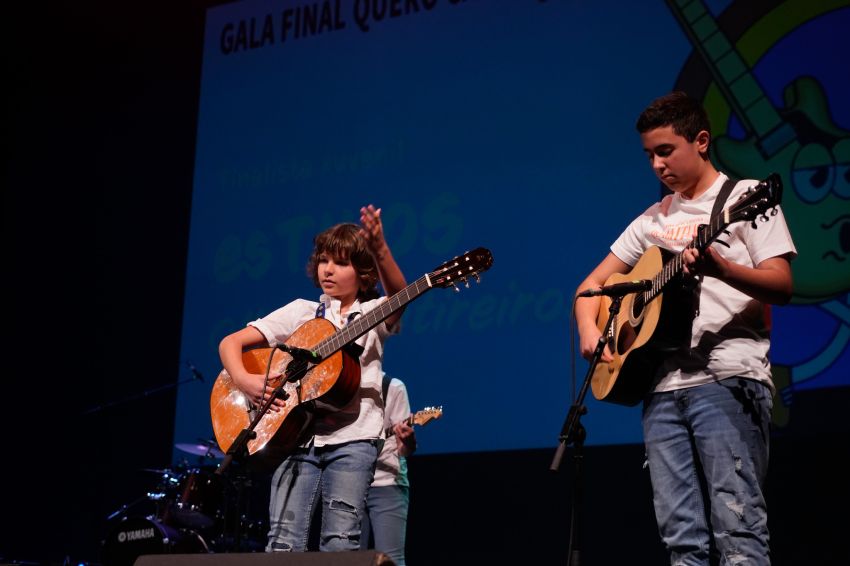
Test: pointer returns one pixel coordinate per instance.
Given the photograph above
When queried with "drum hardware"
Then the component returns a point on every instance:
(183, 505)
(203, 448)
(136, 536)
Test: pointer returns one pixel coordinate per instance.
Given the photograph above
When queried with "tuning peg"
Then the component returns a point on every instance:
(477, 278)
(454, 286)
(466, 282)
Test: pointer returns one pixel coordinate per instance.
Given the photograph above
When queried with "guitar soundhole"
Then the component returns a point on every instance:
(637, 307)
(627, 334)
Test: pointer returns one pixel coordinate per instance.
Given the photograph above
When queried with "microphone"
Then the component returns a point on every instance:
(301, 353)
(197, 375)
(619, 289)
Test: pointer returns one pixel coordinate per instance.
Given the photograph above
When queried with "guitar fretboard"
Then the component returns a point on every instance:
(363, 324)
(673, 267)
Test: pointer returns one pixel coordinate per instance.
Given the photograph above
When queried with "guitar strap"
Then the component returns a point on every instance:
(725, 190)
(354, 349)
(320, 313)
(385, 387)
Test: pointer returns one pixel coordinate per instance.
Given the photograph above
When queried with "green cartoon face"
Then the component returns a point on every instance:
(818, 213)
(813, 161)
(796, 139)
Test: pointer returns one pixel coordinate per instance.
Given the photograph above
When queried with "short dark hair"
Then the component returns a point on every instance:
(344, 243)
(677, 109)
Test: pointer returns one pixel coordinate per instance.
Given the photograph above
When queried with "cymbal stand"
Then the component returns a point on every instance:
(142, 395)
(573, 432)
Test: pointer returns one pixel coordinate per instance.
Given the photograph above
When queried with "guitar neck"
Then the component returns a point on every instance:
(673, 267)
(363, 324)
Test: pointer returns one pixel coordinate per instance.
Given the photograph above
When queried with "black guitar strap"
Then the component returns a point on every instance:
(722, 195)
(725, 190)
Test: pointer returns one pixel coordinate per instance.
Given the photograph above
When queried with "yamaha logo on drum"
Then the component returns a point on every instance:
(139, 534)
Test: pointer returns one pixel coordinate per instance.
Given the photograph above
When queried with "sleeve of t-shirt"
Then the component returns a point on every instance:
(279, 325)
(768, 239)
(398, 405)
(631, 244)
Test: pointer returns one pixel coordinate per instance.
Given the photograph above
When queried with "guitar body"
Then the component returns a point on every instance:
(322, 388)
(325, 387)
(641, 335)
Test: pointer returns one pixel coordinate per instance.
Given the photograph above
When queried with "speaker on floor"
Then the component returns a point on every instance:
(357, 558)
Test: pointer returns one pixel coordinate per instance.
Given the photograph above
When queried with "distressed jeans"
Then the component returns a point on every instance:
(338, 476)
(707, 449)
(386, 520)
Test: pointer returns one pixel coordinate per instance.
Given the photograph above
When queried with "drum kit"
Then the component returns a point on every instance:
(192, 510)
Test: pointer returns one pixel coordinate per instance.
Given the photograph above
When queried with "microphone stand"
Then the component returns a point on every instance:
(573, 432)
(239, 448)
(196, 376)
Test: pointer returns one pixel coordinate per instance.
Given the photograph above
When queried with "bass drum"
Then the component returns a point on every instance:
(136, 536)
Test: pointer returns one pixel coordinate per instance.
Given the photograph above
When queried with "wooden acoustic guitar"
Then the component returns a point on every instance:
(649, 326)
(316, 388)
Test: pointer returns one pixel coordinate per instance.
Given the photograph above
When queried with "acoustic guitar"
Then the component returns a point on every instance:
(648, 327)
(327, 386)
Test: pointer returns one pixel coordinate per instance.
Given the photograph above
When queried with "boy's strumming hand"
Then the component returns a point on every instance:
(252, 385)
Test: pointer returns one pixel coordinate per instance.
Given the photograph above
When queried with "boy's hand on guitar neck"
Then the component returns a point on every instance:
(406, 438)
(709, 263)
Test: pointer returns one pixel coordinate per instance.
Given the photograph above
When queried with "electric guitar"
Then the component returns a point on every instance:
(420, 418)
(323, 387)
(647, 327)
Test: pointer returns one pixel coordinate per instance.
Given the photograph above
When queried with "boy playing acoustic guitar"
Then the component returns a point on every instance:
(337, 463)
(706, 419)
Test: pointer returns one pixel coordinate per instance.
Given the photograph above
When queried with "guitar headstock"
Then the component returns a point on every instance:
(757, 200)
(426, 415)
(461, 268)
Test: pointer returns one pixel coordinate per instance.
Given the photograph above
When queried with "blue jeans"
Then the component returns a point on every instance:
(707, 448)
(339, 477)
(386, 520)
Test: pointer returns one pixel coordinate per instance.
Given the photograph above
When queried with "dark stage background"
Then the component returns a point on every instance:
(102, 113)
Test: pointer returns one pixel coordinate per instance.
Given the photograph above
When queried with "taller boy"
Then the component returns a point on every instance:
(706, 419)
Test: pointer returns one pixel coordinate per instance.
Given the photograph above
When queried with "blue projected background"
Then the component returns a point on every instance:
(502, 124)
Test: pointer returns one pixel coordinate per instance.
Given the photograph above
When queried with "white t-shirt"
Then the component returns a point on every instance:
(363, 417)
(392, 467)
(730, 335)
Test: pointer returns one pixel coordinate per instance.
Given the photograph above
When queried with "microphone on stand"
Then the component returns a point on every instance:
(301, 353)
(619, 289)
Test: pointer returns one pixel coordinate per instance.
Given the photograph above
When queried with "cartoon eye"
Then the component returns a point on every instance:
(813, 173)
(841, 151)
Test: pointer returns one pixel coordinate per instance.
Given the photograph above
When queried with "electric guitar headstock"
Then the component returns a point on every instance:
(425, 416)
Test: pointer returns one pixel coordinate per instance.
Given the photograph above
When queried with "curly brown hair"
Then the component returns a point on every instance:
(344, 243)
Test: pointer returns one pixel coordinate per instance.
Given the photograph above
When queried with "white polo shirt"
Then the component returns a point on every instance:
(363, 417)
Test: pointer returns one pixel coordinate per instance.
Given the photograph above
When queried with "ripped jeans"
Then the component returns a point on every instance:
(707, 449)
(339, 477)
